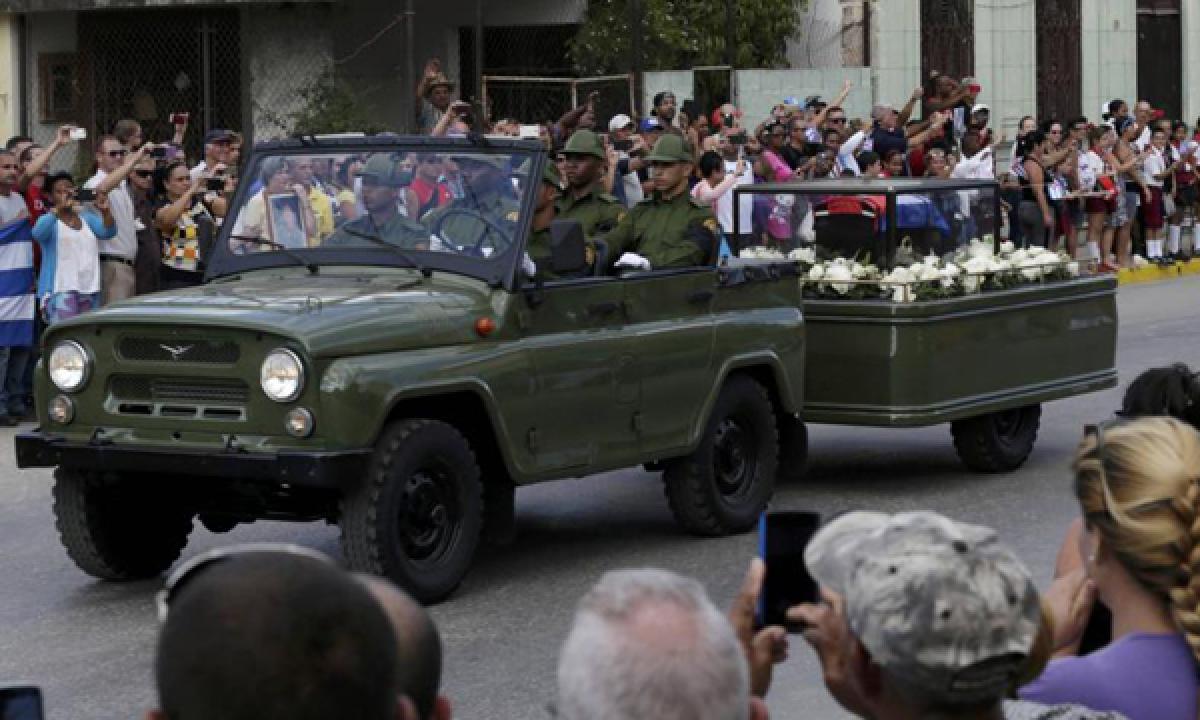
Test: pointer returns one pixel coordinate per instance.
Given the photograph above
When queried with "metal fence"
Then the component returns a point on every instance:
(544, 99)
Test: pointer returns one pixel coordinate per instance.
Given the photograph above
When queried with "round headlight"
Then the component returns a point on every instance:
(69, 366)
(282, 375)
(61, 410)
(299, 422)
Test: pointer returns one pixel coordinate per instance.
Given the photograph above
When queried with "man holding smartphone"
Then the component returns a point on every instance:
(118, 255)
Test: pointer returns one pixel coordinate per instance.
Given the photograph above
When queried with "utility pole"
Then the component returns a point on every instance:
(635, 40)
(410, 66)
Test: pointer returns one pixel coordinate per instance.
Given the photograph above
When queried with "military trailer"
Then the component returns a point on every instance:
(402, 377)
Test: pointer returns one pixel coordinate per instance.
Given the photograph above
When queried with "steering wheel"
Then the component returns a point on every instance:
(490, 227)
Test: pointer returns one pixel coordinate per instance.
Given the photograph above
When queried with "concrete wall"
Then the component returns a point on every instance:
(896, 49)
(1109, 53)
(1006, 61)
(820, 41)
(760, 90)
(681, 83)
(1191, 61)
(10, 79)
(49, 33)
(291, 46)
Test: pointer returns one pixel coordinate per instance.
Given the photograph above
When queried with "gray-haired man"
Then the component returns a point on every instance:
(650, 644)
(923, 617)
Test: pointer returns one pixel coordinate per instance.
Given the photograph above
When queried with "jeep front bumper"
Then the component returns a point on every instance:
(317, 469)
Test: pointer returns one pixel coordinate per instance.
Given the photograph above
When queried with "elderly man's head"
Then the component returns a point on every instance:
(939, 618)
(650, 644)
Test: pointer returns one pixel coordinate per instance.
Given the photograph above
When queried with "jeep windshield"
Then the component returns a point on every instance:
(453, 206)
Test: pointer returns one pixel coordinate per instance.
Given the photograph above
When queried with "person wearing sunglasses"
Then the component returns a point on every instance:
(1133, 552)
(118, 256)
(149, 251)
(274, 632)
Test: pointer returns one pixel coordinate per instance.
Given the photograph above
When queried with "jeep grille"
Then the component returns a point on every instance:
(198, 398)
(209, 352)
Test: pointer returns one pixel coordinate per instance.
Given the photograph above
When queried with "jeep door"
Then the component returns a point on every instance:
(670, 317)
(580, 414)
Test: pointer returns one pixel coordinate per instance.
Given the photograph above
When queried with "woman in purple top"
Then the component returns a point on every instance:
(1137, 550)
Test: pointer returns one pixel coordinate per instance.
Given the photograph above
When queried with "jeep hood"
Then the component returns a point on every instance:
(335, 313)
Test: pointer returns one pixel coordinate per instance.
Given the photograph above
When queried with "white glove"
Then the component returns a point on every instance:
(528, 266)
(633, 261)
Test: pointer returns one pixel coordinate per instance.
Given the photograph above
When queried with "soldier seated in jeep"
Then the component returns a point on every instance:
(383, 178)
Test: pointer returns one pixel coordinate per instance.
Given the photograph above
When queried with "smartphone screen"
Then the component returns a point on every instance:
(21, 703)
(85, 195)
(782, 538)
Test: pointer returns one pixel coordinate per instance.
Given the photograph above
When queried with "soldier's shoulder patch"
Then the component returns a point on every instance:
(512, 216)
(711, 224)
(589, 254)
(621, 215)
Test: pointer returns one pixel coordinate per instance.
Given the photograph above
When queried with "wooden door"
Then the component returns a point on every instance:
(1160, 55)
(947, 38)
(1059, 60)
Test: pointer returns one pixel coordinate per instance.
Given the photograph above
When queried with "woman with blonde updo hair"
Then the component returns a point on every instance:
(1137, 551)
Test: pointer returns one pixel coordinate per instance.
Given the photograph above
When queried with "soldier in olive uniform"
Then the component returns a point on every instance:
(667, 229)
(487, 192)
(383, 178)
(538, 247)
(585, 199)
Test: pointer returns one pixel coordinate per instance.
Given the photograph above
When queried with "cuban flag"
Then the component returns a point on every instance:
(16, 284)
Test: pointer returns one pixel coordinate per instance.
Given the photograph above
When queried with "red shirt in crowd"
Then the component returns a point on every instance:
(425, 195)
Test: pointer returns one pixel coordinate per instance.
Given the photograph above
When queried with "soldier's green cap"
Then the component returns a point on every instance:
(386, 171)
(585, 142)
(497, 161)
(671, 149)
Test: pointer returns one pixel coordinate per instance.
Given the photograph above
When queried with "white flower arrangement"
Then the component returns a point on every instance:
(974, 268)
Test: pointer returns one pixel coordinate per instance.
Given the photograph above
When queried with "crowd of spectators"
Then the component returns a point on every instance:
(919, 616)
(1099, 188)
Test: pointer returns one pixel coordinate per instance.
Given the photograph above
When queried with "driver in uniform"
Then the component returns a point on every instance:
(383, 179)
(488, 192)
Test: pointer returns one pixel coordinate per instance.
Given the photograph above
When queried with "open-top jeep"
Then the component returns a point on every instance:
(404, 387)
(402, 378)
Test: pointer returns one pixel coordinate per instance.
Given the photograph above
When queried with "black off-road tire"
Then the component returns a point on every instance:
(118, 528)
(793, 448)
(417, 516)
(997, 442)
(724, 485)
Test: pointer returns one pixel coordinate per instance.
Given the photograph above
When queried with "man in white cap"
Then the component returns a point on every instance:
(631, 149)
(923, 617)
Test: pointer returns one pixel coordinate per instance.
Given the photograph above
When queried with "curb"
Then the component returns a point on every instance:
(1155, 273)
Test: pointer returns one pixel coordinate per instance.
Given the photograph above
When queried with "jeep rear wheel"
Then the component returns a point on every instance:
(997, 442)
(118, 528)
(726, 483)
(417, 516)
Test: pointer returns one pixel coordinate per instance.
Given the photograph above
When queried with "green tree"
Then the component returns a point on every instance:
(679, 34)
(328, 104)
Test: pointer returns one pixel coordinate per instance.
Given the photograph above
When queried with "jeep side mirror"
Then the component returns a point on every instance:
(568, 250)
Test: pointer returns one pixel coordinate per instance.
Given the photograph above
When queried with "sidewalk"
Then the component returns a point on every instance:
(1155, 273)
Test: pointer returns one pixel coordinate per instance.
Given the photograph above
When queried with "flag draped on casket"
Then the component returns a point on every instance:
(16, 284)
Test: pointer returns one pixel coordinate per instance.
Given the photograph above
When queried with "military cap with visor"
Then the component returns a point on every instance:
(585, 142)
(671, 149)
(386, 170)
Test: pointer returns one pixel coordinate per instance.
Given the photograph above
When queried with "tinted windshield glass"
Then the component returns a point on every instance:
(410, 207)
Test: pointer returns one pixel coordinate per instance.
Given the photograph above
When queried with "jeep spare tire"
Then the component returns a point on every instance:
(118, 528)
(417, 516)
(724, 485)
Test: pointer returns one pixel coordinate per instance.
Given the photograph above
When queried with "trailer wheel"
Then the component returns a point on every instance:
(997, 442)
(724, 485)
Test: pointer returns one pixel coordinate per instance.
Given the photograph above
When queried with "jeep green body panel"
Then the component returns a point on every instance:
(915, 364)
(583, 377)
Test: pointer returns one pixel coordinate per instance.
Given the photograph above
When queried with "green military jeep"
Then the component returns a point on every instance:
(401, 380)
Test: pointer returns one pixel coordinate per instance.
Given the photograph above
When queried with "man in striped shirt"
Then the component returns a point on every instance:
(16, 290)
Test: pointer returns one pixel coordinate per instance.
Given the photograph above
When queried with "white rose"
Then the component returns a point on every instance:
(1073, 268)
(929, 274)
(807, 254)
(1031, 268)
(816, 273)
(1007, 248)
(932, 261)
(839, 272)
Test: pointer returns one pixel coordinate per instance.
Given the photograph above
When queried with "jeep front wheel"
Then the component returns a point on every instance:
(118, 528)
(724, 485)
(416, 517)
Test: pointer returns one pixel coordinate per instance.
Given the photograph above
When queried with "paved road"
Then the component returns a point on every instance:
(90, 644)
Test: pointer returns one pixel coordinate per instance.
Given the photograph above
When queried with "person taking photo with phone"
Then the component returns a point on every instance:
(118, 255)
(69, 281)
